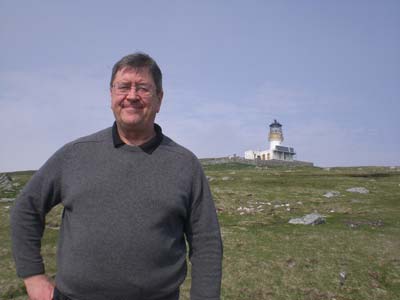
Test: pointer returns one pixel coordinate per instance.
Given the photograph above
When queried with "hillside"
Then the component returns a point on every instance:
(353, 255)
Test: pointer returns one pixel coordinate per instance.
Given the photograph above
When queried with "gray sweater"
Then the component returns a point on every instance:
(126, 216)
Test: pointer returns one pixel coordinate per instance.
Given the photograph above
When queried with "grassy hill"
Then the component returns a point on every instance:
(267, 258)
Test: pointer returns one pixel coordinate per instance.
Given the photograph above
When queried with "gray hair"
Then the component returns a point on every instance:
(139, 60)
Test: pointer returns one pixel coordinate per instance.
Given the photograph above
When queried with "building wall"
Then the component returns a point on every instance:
(250, 154)
(258, 162)
(273, 144)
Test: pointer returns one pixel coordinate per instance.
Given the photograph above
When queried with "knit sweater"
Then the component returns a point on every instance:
(127, 216)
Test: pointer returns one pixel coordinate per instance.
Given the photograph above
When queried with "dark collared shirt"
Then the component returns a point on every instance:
(147, 147)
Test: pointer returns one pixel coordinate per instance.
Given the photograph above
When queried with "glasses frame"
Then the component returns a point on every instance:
(124, 88)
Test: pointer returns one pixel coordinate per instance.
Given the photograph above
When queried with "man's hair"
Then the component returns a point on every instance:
(139, 60)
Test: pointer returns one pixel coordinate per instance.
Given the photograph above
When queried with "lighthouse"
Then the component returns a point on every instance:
(275, 136)
(276, 150)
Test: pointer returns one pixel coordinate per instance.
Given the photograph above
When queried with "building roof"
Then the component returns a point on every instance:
(284, 149)
(275, 124)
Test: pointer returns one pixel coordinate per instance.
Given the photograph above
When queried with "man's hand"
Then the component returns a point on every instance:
(39, 287)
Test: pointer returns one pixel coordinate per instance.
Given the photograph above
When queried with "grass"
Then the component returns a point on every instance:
(267, 258)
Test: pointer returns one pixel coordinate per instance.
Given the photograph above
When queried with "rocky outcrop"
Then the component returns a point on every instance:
(331, 194)
(6, 183)
(310, 219)
(360, 190)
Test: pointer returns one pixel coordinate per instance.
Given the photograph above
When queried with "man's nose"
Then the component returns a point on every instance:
(132, 93)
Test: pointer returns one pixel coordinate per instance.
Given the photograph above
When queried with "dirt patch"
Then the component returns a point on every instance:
(356, 224)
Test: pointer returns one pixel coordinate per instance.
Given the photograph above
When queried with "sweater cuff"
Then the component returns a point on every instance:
(31, 270)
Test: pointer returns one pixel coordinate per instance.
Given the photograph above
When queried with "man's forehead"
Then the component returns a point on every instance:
(143, 71)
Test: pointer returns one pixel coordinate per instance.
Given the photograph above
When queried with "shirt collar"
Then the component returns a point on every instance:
(147, 147)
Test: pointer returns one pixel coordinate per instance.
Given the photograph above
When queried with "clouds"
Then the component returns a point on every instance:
(325, 129)
(40, 111)
(46, 109)
(219, 126)
(328, 72)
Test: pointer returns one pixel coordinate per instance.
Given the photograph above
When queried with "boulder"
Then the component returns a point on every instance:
(331, 194)
(5, 200)
(360, 190)
(310, 219)
(6, 183)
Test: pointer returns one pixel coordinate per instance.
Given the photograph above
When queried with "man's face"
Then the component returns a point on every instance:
(134, 100)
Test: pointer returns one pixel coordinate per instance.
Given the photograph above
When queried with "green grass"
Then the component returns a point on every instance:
(267, 258)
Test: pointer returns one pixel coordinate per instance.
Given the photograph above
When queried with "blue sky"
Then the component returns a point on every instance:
(329, 71)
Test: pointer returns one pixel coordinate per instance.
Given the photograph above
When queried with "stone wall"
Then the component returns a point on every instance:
(259, 162)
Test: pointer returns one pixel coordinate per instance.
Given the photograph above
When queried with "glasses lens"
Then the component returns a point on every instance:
(124, 89)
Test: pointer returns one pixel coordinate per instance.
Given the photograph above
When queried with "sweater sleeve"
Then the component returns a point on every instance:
(40, 194)
(204, 239)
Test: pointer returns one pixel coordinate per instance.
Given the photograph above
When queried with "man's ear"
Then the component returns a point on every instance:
(160, 96)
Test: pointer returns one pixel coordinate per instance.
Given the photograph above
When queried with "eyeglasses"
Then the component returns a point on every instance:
(142, 90)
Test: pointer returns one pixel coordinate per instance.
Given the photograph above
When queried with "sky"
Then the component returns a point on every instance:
(328, 71)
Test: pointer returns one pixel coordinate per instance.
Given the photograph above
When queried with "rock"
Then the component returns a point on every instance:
(5, 200)
(360, 190)
(331, 194)
(244, 210)
(310, 219)
(342, 277)
(209, 178)
(6, 183)
(226, 178)
(291, 263)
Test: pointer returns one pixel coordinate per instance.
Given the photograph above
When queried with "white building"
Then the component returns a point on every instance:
(276, 150)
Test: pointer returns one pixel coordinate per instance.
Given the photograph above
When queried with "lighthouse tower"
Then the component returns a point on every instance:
(276, 151)
(275, 136)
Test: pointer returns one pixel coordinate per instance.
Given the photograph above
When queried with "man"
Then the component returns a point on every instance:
(132, 199)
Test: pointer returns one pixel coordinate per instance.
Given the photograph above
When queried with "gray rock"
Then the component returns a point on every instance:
(331, 194)
(310, 219)
(6, 200)
(342, 277)
(209, 178)
(226, 178)
(360, 190)
(6, 183)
